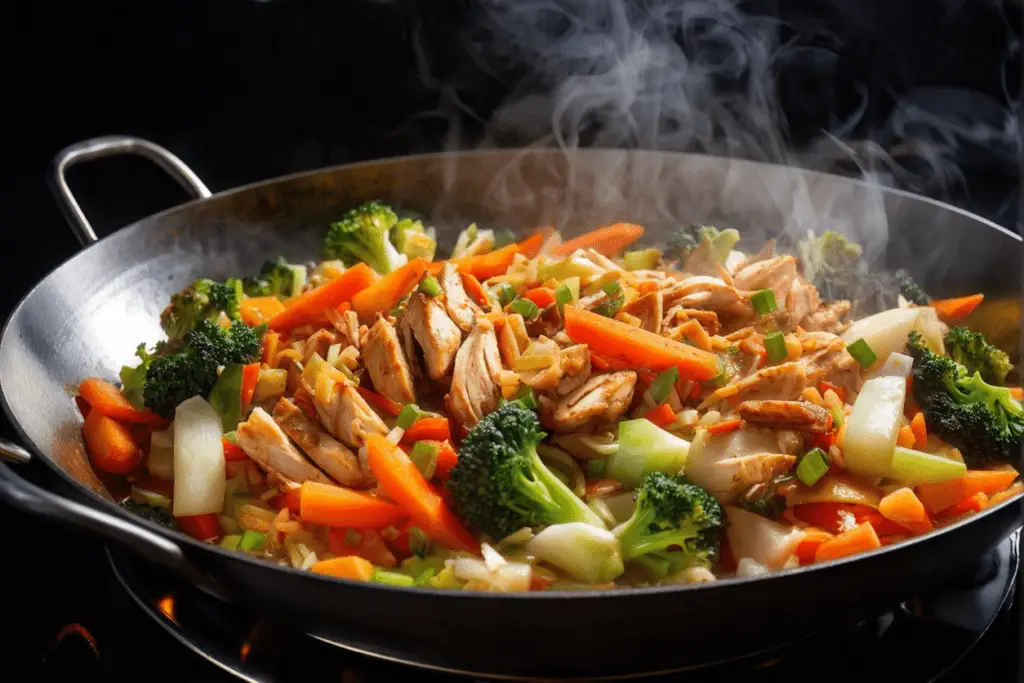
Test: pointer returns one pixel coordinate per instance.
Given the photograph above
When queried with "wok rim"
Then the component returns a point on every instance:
(590, 594)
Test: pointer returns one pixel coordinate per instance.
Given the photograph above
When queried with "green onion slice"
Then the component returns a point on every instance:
(813, 466)
(775, 344)
(862, 353)
(430, 286)
(525, 308)
(764, 301)
(662, 385)
(409, 414)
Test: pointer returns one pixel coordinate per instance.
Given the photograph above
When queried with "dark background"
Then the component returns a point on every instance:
(244, 91)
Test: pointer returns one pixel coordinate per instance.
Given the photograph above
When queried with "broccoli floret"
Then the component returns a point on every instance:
(685, 240)
(157, 515)
(276, 278)
(834, 265)
(133, 380)
(413, 240)
(362, 235)
(202, 300)
(500, 485)
(192, 370)
(981, 420)
(910, 290)
(676, 525)
(974, 352)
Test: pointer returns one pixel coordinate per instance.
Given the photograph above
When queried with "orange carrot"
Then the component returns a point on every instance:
(309, 307)
(83, 406)
(260, 309)
(1015, 490)
(428, 429)
(610, 240)
(600, 363)
(895, 538)
(1017, 393)
(808, 546)
(271, 342)
(350, 567)
(905, 437)
(662, 415)
(233, 452)
(364, 543)
(474, 289)
(906, 509)
(380, 403)
(398, 477)
(109, 444)
(602, 488)
(859, 539)
(446, 460)
(542, 296)
(495, 262)
(954, 310)
(614, 340)
(825, 386)
(725, 426)
(943, 495)
(382, 296)
(200, 527)
(250, 376)
(646, 287)
(290, 499)
(974, 503)
(532, 244)
(337, 506)
(917, 426)
(108, 400)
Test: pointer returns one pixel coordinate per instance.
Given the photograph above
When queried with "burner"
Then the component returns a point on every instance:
(940, 626)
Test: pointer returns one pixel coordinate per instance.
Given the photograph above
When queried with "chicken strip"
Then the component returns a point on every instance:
(317, 343)
(438, 337)
(784, 381)
(801, 300)
(386, 363)
(827, 318)
(825, 358)
(601, 400)
(264, 441)
(475, 390)
(649, 308)
(327, 452)
(346, 416)
(461, 309)
(575, 367)
(776, 274)
(712, 294)
(799, 415)
(728, 465)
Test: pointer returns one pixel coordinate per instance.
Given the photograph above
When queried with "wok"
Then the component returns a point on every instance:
(86, 318)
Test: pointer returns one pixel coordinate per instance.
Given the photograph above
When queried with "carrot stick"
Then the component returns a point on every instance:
(955, 310)
(609, 241)
(349, 567)
(495, 262)
(662, 415)
(474, 289)
(404, 484)
(108, 400)
(974, 503)
(446, 460)
(859, 539)
(905, 437)
(542, 296)
(614, 340)
(336, 506)
(725, 426)
(428, 429)
(250, 376)
(380, 403)
(943, 495)
(917, 426)
(309, 307)
(109, 444)
(233, 452)
(531, 245)
(271, 343)
(1015, 490)
(260, 309)
(1017, 393)
(368, 545)
(290, 499)
(906, 509)
(382, 296)
(808, 546)
(200, 527)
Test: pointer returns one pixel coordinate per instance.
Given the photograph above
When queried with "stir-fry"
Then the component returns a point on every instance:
(553, 414)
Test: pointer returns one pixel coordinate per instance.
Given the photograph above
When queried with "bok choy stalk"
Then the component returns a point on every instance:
(585, 552)
(199, 480)
(644, 447)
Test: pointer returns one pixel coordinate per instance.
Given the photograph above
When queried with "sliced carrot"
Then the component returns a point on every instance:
(381, 403)
(384, 294)
(974, 503)
(859, 539)
(725, 426)
(110, 444)
(369, 546)
(825, 386)
(837, 517)
(808, 546)
(614, 340)
(599, 363)
(495, 262)
(233, 452)
(290, 499)
(955, 310)
(350, 567)
(108, 400)
(920, 430)
(609, 241)
(271, 343)
(474, 289)
(1015, 490)
(602, 488)
(1017, 393)
(83, 406)
(260, 309)
(905, 437)
(889, 540)
(646, 287)
(428, 429)
(250, 376)
(446, 460)
(542, 296)
(943, 495)
(308, 308)
(337, 506)
(662, 415)
(906, 509)
(200, 527)
(532, 244)
(398, 477)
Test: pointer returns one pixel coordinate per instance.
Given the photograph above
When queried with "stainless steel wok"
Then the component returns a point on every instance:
(86, 318)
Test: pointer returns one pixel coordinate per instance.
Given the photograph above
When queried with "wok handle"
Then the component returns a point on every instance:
(108, 146)
(29, 498)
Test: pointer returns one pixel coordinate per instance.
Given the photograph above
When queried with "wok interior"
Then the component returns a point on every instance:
(87, 317)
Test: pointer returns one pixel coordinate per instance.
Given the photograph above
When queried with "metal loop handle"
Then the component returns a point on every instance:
(107, 146)
(27, 497)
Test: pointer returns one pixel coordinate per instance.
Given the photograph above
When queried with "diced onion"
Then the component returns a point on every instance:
(898, 365)
(272, 383)
(160, 461)
(492, 558)
(873, 425)
(199, 480)
(748, 567)
(760, 539)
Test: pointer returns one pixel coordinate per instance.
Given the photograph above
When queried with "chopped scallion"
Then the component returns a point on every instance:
(419, 542)
(231, 542)
(813, 466)
(527, 396)
(612, 288)
(595, 468)
(424, 456)
(837, 417)
(525, 308)
(252, 541)
(506, 294)
(392, 578)
(424, 576)
(662, 385)
(719, 380)
(775, 344)
(862, 353)
(409, 414)
(563, 296)
(764, 301)
(430, 286)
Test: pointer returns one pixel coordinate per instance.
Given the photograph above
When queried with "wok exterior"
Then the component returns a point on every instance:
(87, 317)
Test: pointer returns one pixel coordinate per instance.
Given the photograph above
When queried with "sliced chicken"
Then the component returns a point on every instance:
(346, 415)
(475, 390)
(801, 300)
(435, 333)
(827, 318)
(347, 325)
(264, 441)
(799, 415)
(711, 294)
(601, 400)
(318, 343)
(679, 315)
(461, 308)
(327, 452)
(775, 273)
(784, 381)
(386, 363)
(825, 358)
(767, 252)
(575, 366)
(728, 465)
(649, 308)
